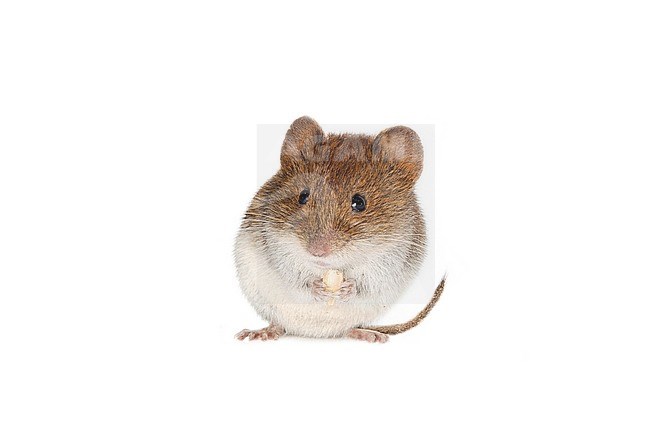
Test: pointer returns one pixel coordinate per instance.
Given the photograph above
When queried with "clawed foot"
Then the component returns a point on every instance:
(368, 335)
(347, 290)
(271, 332)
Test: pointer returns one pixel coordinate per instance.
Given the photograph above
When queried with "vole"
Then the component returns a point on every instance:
(341, 202)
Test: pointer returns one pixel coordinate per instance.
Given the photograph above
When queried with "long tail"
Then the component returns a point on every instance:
(403, 327)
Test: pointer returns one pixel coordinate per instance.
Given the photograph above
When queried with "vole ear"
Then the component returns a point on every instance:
(400, 145)
(300, 141)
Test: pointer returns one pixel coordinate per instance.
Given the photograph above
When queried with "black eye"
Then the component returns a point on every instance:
(358, 203)
(304, 195)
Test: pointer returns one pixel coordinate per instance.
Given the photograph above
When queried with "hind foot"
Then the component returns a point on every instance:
(271, 332)
(367, 335)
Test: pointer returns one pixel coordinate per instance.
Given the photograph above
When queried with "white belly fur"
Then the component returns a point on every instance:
(286, 301)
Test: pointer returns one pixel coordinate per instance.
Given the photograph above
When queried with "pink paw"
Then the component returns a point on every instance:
(271, 332)
(368, 335)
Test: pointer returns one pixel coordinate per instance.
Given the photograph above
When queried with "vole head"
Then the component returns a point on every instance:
(340, 199)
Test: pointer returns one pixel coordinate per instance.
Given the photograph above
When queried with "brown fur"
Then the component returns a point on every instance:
(362, 164)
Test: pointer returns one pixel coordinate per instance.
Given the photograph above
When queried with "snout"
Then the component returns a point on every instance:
(320, 246)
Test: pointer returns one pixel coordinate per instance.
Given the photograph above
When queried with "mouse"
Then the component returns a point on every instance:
(344, 203)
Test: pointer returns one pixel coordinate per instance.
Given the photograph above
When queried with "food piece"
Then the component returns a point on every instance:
(332, 280)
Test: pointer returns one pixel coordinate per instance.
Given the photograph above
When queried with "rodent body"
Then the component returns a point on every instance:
(339, 201)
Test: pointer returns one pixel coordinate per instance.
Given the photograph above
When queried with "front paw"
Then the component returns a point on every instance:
(346, 292)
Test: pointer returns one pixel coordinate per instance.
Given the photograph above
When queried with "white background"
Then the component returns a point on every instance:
(128, 155)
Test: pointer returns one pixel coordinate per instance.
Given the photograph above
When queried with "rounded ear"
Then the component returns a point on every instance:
(399, 145)
(301, 139)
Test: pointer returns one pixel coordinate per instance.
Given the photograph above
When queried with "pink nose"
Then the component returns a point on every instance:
(320, 247)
